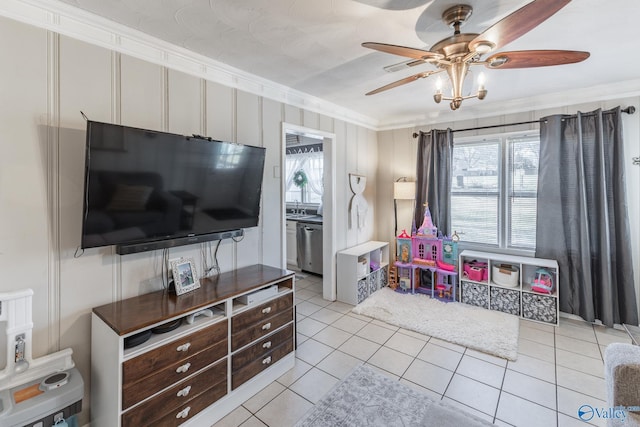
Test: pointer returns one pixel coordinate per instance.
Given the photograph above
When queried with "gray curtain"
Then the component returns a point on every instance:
(582, 215)
(433, 183)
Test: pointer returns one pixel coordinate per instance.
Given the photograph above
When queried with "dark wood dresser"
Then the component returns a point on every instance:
(199, 371)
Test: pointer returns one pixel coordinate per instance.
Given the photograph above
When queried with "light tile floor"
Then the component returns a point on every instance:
(557, 371)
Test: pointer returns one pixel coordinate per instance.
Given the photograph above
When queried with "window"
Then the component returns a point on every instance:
(312, 164)
(493, 190)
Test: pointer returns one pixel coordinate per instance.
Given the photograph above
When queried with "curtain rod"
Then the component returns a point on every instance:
(629, 110)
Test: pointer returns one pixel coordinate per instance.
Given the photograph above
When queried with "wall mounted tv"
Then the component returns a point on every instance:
(147, 190)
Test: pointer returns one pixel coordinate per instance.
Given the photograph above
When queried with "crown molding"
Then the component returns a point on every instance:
(79, 24)
(76, 23)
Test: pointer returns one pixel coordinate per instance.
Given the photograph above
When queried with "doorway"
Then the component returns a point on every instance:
(309, 199)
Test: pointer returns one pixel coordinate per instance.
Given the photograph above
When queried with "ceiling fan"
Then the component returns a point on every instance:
(457, 53)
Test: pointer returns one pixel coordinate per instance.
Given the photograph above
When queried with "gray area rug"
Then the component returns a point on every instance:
(368, 398)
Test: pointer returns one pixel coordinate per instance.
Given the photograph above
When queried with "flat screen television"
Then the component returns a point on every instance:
(146, 190)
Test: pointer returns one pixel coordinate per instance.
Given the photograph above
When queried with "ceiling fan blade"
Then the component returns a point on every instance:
(409, 52)
(402, 82)
(404, 65)
(518, 23)
(534, 58)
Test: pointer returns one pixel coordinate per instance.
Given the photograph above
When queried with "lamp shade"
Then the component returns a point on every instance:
(404, 190)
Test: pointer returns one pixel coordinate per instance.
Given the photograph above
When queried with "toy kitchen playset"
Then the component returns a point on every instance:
(39, 392)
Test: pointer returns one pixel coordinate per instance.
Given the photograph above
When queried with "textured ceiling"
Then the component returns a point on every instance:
(314, 46)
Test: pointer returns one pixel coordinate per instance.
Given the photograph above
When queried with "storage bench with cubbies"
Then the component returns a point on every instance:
(508, 284)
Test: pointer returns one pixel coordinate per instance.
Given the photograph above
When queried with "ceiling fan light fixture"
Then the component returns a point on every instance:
(483, 47)
(456, 54)
(482, 92)
(498, 61)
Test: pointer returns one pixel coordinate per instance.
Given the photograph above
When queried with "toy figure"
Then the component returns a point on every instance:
(404, 248)
(404, 255)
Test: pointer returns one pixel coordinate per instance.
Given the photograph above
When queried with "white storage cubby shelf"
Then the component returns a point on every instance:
(362, 270)
(511, 295)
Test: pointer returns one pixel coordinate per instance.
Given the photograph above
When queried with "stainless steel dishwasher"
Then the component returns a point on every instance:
(309, 238)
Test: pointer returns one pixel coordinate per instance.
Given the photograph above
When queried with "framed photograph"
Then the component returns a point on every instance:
(185, 278)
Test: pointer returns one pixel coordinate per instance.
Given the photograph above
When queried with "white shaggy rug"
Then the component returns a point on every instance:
(491, 332)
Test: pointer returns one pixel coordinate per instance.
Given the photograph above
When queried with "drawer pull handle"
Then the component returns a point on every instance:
(184, 368)
(266, 326)
(184, 392)
(266, 361)
(183, 347)
(184, 413)
(266, 310)
(267, 344)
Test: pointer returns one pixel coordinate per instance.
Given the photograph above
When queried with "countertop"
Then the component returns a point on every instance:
(310, 219)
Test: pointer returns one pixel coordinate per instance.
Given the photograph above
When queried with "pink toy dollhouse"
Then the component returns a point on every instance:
(429, 266)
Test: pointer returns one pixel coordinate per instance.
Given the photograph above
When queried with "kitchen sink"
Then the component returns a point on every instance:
(299, 216)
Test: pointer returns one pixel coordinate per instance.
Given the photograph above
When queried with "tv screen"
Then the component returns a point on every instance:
(147, 186)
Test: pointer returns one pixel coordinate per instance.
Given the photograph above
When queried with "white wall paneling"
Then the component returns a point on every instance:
(350, 165)
(184, 103)
(220, 112)
(330, 218)
(249, 132)
(293, 115)
(84, 85)
(326, 124)
(53, 78)
(311, 119)
(142, 97)
(50, 137)
(342, 193)
(384, 184)
(141, 93)
(28, 145)
(273, 245)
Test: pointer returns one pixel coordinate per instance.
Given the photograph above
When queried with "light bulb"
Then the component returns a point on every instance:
(439, 84)
(481, 80)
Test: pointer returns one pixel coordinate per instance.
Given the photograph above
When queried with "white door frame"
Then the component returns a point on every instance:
(328, 206)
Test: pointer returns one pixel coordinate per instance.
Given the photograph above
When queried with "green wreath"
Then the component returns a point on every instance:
(300, 179)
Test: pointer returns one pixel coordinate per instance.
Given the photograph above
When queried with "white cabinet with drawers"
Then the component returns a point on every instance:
(196, 372)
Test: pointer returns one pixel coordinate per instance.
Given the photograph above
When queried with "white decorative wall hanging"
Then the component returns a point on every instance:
(358, 205)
